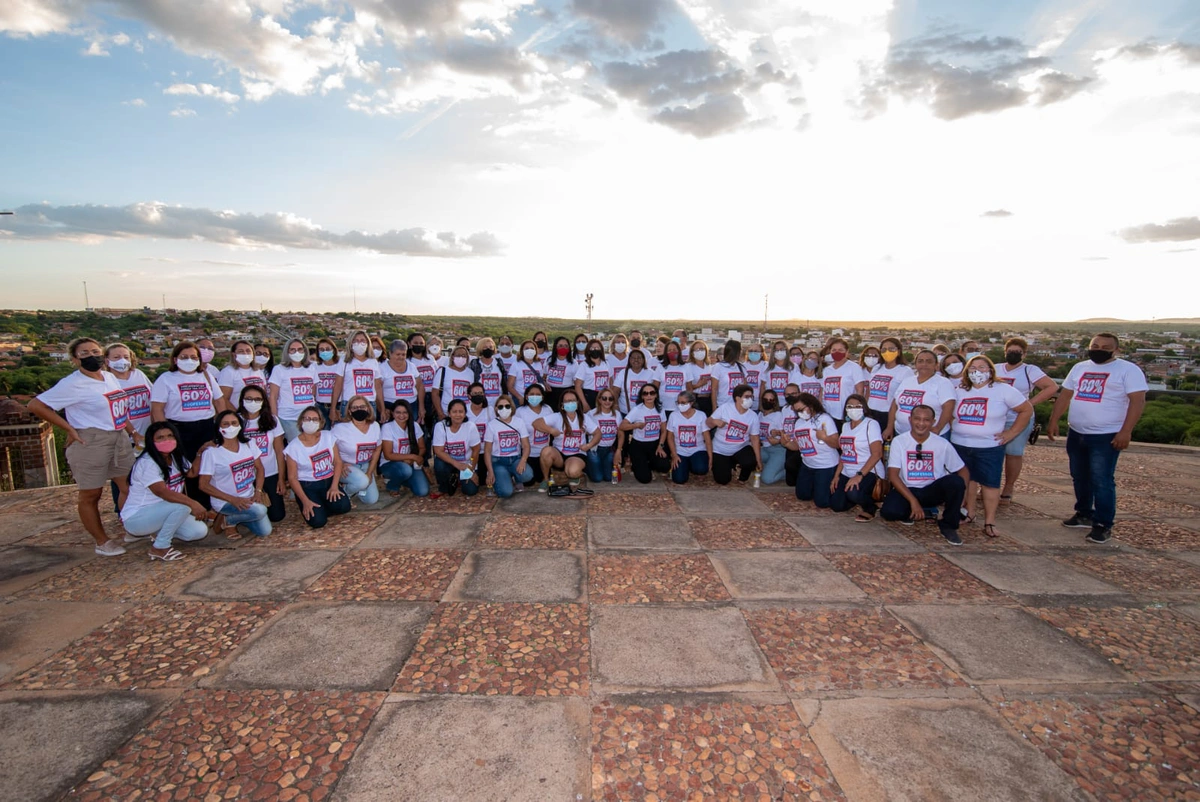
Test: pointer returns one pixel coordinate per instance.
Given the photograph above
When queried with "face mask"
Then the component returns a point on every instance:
(754, 356)
(359, 348)
(296, 356)
(361, 414)
(1099, 356)
(244, 359)
(699, 354)
(811, 364)
(377, 352)
(187, 365)
(972, 355)
(682, 407)
(570, 406)
(529, 353)
(435, 349)
(459, 362)
(767, 406)
(940, 357)
(310, 427)
(675, 339)
(780, 354)
(891, 356)
(230, 432)
(580, 347)
(745, 403)
(540, 344)
(166, 446)
(479, 399)
(506, 349)
(325, 355)
(120, 365)
(206, 355)
(262, 359)
(673, 357)
(620, 347)
(791, 399)
(871, 361)
(804, 414)
(595, 353)
(855, 413)
(252, 406)
(418, 350)
(487, 353)
(562, 351)
(534, 400)
(837, 356)
(1014, 357)
(979, 377)
(636, 342)
(796, 359)
(954, 369)
(504, 412)
(92, 363)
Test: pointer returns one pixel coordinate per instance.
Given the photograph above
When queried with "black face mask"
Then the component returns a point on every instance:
(1014, 357)
(541, 344)
(767, 406)
(791, 399)
(360, 415)
(92, 363)
(479, 400)
(1099, 356)
(595, 354)
(487, 353)
(418, 350)
(636, 342)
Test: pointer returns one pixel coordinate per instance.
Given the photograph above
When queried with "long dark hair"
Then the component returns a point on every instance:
(219, 439)
(410, 426)
(813, 403)
(270, 366)
(164, 462)
(446, 420)
(266, 421)
(570, 358)
(657, 397)
(566, 427)
(629, 369)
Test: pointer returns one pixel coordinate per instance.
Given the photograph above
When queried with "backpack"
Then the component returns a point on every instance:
(477, 371)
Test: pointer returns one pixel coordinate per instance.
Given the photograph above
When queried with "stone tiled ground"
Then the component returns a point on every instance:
(739, 687)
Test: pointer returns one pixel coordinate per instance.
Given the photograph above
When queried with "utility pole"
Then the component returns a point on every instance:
(164, 306)
(588, 304)
(766, 306)
(86, 303)
(356, 299)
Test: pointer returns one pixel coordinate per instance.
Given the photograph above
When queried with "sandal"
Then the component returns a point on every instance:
(168, 556)
(582, 491)
(990, 530)
(1006, 499)
(863, 518)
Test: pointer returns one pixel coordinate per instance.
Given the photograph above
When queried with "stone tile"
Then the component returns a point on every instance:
(626, 503)
(974, 540)
(650, 534)
(41, 500)
(1153, 643)
(1030, 575)
(717, 502)
(50, 744)
(1192, 523)
(426, 532)
(902, 578)
(388, 575)
(783, 575)
(31, 631)
(18, 526)
(675, 648)
(1192, 557)
(651, 578)
(456, 749)
(533, 503)
(1157, 535)
(908, 750)
(164, 645)
(261, 575)
(458, 504)
(131, 577)
(814, 651)
(534, 532)
(22, 566)
(688, 749)
(520, 575)
(233, 744)
(511, 649)
(746, 533)
(841, 531)
(1192, 610)
(1000, 644)
(339, 646)
(1141, 573)
(341, 532)
(1046, 532)
(1117, 747)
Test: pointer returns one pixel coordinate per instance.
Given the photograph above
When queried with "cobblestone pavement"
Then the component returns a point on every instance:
(646, 643)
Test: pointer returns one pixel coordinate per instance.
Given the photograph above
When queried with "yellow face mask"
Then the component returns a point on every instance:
(890, 356)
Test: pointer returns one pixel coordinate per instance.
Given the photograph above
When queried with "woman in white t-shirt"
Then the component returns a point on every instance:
(637, 374)
(808, 372)
(883, 378)
(815, 437)
(672, 375)
(735, 440)
(862, 461)
(770, 437)
(456, 452)
(532, 411)
(401, 380)
(264, 433)
(358, 446)
(232, 475)
(592, 375)
(756, 369)
(559, 372)
(453, 381)
(925, 386)
(293, 387)
(525, 372)
(606, 419)
(327, 367)
(121, 362)
(403, 460)
(688, 440)
(508, 353)
(728, 373)
(506, 450)
(618, 356)
(700, 376)
(779, 371)
(157, 505)
(313, 467)
(1025, 378)
(207, 353)
(570, 440)
(98, 433)
(189, 398)
(980, 431)
(646, 426)
(240, 372)
(840, 378)
(360, 376)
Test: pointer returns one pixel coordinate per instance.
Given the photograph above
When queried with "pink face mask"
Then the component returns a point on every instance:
(166, 446)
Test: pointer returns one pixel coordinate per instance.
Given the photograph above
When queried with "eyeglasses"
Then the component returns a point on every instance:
(503, 406)
(649, 394)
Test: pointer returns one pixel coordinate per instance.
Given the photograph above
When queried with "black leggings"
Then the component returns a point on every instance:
(722, 467)
(879, 417)
(645, 461)
(791, 467)
(194, 434)
(275, 508)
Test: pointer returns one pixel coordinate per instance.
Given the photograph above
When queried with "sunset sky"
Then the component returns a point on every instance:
(853, 159)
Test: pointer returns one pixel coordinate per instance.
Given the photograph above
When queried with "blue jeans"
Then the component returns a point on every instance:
(773, 458)
(165, 520)
(600, 464)
(1093, 463)
(446, 474)
(843, 499)
(403, 473)
(949, 490)
(316, 493)
(357, 481)
(505, 472)
(696, 462)
(812, 484)
(291, 429)
(255, 518)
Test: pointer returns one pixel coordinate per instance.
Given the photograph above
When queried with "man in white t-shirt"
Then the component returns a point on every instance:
(1105, 396)
(925, 471)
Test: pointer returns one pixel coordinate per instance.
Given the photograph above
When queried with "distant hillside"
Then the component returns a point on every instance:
(1162, 321)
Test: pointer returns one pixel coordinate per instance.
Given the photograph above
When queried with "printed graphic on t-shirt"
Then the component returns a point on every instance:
(909, 399)
(789, 427)
(833, 388)
(764, 430)
(804, 442)
(752, 377)
(849, 450)
(687, 436)
(459, 388)
(673, 381)
(528, 376)
(734, 380)
(402, 445)
(509, 443)
(404, 386)
(1091, 387)
(243, 474)
(364, 381)
(322, 465)
(118, 407)
(456, 449)
(879, 386)
(736, 432)
(556, 374)
(195, 396)
(364, 452)
(635, 390)
(481, 427)
(255, 381)
(540, 438)
(325, 387)
(262, 440)
(571, 442)
(426, 373)
(972, 411)
(1005, 380)
(653, 423)
(138, 402)
(176, 483)
(608, 432)
(813, 388)
(491, 384)
(601, 380)
(778, 380)
(918, 465)
(302, 390)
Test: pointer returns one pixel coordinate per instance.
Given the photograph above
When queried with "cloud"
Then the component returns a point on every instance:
(183, 111)
(38, 17)
(1190, 53)
(202, 90)
(137, 101)
(92, 223)
(1181, 229)
(632, 21)
(997, 213)
(717, 115)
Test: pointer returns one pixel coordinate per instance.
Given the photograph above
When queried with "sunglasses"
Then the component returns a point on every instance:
(649, 394)
(503, 406)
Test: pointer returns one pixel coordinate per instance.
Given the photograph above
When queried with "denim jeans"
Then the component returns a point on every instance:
(316, 493)
(165, 520)
(694, 463)
(356, 481)
(773, 458)
(843, 499)
(1093, 462)
(291, 429)
(404, 474)
(255, 518)
(812, 484)
(600, 464)
(506, 473)
(446, 473)
(949, 490)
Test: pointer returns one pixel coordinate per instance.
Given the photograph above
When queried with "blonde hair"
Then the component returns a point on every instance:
(132, 356)
(363, 398)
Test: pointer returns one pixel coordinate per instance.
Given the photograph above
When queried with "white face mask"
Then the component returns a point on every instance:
(377, 352)
(699, 354)
(505, 413)
(359, 348)
(230, 432)
(683, 406)
(244, 359)
(187, 365)
(460, 362)
(804, 414)
(580, 347)
(744, 403)
(972, 355)
(780, 354)
(252, 406)
(120, 365)
(979, 377)
(296, 356)
(829, 359)
(435, 349)
(870, 361)
(954, 369)
(620, 348)
(206, 355)
(529, 353)
(855, 413)
(506, 349)
(310, 426)
(261, 359)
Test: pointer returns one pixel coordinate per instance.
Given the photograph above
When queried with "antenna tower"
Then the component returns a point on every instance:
(587, 301)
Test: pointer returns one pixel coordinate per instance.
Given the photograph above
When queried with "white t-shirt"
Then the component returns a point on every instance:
(688, 432)
(232, 472)
(769, 422)
(1101, 395)
(607, 424)
(673, 382)
(491, 379)
(509, 361)
(537, 440)
(506, 436)
(726, 377)
(326, 376)
(188, 396)
(598, 377)
(936, 459)
(297, 389)
(265, 443)
(236, 378)
(980, 414)
(617, 365)
(934, 392)
(560, 375)
(479, 419)
(777, 379)
(458, 444)
(813, 385)
(654, 421)
(90, 403)
(524, 375)
(426, 368)
(755, 374)
(398, 437)
(882, 384)
(787, 421)
(838, 384)
(814, 451)
(355, 447)
(1023, 377)
(856, 446)
(570, 442)
(400, 384)
(315, 463)
(737, 434)
(137, 399)
(146, 473)
(453, 384)
(358, 378)
(698, 376)
(631, 386)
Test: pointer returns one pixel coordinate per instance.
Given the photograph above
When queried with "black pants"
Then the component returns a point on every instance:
(704, 404)
(722, 467)
(791, 467)
(590, 397)
(275, 509)
(316, 492)
(644, 460)
(948, 490)
(843, 499)
(878, 417)
(194, 434)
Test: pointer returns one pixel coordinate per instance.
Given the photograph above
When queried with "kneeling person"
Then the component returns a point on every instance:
(925, 471)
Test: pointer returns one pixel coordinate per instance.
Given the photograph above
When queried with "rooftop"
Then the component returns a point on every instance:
(647, 643)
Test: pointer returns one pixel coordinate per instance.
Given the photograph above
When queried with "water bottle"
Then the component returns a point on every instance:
(616, 474)
(757, 480)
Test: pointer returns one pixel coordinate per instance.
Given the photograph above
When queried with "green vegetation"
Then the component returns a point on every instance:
(1170, 419)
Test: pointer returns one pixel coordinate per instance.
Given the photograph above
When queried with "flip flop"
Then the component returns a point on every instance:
(863, 518)
(168, 556)
(1004, 499)
(990, 530)
(582, 491)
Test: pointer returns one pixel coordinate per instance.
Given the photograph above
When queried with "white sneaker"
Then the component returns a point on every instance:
(110, 548)
(135, 538)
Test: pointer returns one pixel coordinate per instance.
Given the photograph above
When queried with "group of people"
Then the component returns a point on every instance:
(201, 449)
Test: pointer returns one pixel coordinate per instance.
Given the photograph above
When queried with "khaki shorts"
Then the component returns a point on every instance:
(107, 455)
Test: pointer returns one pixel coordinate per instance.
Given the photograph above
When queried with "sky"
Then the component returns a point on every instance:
(689, 159)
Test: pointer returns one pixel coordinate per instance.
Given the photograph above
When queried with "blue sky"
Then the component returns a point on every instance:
(674, 157)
